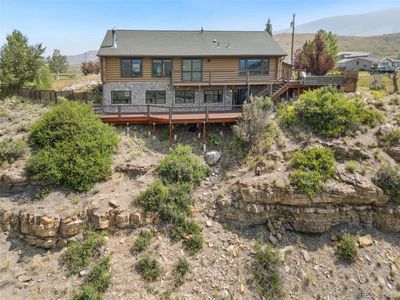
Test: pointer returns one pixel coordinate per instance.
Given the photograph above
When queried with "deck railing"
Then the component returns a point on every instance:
(220, 77)
(156, 109)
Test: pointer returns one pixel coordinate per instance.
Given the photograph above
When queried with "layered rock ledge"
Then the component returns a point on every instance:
(256, 200)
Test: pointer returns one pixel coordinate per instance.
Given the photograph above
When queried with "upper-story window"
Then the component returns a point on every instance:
(254, 66)
(131, 67)
(191, 69)
(161, 67)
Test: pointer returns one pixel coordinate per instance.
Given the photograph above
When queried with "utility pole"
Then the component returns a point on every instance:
(292, 24)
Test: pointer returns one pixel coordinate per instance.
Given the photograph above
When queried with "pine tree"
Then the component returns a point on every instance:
(268, 27)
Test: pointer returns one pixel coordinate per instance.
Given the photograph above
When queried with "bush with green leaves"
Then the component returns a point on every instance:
(72, 147)
(10, 151)
(181, 165)
(96, 282)
(142, 242)
(180, 270)
(312, 167)
(327, 112)
(254, 117)
(149, 268)
(347, 248)
(266, 273)
(390, 138)
(388, 179)
(80, 253)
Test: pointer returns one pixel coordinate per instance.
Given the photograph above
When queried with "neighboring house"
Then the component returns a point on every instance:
(357, 63)
(190, 68)
(365, 61)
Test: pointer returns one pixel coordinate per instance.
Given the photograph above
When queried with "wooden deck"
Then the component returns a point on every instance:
(181, 118)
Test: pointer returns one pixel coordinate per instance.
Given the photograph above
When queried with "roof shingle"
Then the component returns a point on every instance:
(190, 43)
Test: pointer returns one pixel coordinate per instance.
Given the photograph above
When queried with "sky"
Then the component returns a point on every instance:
(76, 26)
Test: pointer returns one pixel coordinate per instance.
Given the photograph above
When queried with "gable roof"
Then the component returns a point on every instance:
(189, 43)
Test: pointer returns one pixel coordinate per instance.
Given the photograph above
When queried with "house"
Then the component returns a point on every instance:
(189, 69)
(357, 63)
(365, 61)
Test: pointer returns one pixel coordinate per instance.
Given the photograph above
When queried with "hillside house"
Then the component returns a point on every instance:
(365, 61)
(187, 68)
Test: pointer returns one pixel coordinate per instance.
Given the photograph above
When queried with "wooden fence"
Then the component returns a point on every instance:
(52, 95)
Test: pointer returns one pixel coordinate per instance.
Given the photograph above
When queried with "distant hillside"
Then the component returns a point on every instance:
(384, 45)
(78, 58)
(369, 24)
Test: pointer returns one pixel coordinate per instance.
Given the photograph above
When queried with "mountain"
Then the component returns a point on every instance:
(383, 45)
(368, 24)
(78, 58)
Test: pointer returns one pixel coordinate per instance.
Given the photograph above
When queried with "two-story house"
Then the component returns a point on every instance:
(186, 68)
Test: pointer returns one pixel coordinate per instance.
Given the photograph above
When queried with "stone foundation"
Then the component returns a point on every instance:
(138, 92)
(51, 232)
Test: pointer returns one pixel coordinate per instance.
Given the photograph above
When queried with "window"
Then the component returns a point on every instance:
(255, 66)
(120, 97)
(131, 67)
(161, 67)
(214, 96)
(184, 96)
(191, 69)
(155, 97)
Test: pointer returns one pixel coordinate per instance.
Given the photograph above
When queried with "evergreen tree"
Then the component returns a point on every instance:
(268, 27)
(58, 63)
(19, 62)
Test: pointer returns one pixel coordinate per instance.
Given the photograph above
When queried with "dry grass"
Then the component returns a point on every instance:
(365, 79)
(66, 82)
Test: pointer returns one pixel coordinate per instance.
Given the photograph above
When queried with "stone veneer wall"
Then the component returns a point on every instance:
(138, 91)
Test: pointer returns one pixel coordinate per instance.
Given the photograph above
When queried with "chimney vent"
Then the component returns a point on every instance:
(114, 39)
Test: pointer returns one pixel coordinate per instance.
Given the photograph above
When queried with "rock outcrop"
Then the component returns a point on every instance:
(50, 232)
(355, 200)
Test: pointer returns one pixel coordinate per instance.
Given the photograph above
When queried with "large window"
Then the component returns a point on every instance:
(191, 69)
(254, 66)
(161, 67)
(120, 97)
(214, 96)
(184, 96)
(155, 97)
(131, 67)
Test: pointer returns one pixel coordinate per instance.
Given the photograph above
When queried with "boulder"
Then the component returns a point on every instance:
(386, 128)
(365, 241)
(71, 226)
(212, 157)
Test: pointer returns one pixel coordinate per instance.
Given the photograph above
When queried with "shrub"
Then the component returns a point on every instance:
(214, 138)
(347, 248)
(352, 166)
(390, 138)
(378, 94)
(88, 293)
(371, 117)
(43, 193)
(142, 242)
(99, 277)
(388, 179)
(153, 196)
(73, 147)
(327, 112)
(10, 151)
(253, 120)
(149, 268)
(266, 272)
(80, 254)
(184, 228)
(181, 165)
(193, 243)
(180, 270)
(312, 167)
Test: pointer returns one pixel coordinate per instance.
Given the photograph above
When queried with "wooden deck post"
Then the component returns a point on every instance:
(209, 77)
(170, 126)
(119, 111)
(206, 113)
